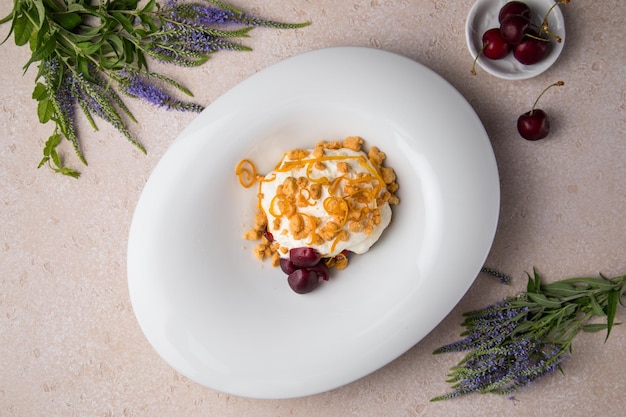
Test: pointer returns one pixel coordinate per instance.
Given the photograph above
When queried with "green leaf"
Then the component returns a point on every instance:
(41, 13)
(560, 288)
(68, 172)
(40, 92)
(38, 37)
(50, 154)
(43, 52)
(141, 60)
(129, 51)
(82, 65)
(10, 32)
(124, 4)
(530, 286)
(45, 110)
(148, 23)
(123, 20)
(544, 301)
(611, 309)
(55, 158)
(594, 328)
(22, 29)
(52, 142)
(599, 283)
(69, 21)
(89, 48)
(537, 281)
(595, 306)
(534, 282)
(149, 7)
(77, 7)
(117, 45)
(8, 17)
(43, 161)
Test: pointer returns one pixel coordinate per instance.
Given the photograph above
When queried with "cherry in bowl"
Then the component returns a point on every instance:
(485, 15)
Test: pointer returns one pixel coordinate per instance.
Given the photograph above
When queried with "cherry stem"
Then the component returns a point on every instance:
(539, 38)
(554, 35)
(544, 25)
(556, 84)
(477, 55)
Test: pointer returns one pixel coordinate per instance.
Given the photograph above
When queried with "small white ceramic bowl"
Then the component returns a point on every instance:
(484, 15)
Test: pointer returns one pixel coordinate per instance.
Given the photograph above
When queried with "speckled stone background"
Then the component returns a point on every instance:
(71, 345)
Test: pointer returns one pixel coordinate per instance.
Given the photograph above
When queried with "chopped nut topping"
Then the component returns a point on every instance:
(388, 175)
(356, 227)
(318, 152)
(290, 187)
(343, 167)
(260, 221)
(316, 191)
(253, 234)
(352, 203)
(296, 224)
(297, 154)
(353, 142)
(376, 156)
(302, 182)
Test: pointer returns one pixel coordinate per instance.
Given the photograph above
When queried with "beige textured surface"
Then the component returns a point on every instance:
(71, 345)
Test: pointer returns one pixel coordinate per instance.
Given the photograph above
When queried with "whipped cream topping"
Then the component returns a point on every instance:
(328, 199)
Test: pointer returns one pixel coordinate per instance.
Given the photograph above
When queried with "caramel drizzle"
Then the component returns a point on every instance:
(337, 206)
(246, 172)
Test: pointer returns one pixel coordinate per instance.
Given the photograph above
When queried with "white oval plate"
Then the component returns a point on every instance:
(220, 318)
(484, 15)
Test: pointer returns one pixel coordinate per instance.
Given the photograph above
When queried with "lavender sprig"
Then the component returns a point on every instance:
(90, 52)
(520, 339)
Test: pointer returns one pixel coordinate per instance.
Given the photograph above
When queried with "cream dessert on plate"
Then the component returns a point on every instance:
(319, 205)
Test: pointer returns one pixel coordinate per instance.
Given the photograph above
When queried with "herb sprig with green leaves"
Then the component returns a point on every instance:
(520, 339)
(92, 53)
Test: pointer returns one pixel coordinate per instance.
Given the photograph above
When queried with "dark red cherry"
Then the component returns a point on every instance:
(533, 125)
(494, 47)
(303, 281)
(322, 270)
(286, 266)
(532, 49)
(513, 28)
(304, 257)
(512, 8)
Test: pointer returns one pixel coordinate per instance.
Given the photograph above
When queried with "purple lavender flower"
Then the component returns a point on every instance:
(59, 93)
(195, 14)
(505, 368)
(501, 359)
(136, 85)
(517, 341)
(65, 98)
(487, 327)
